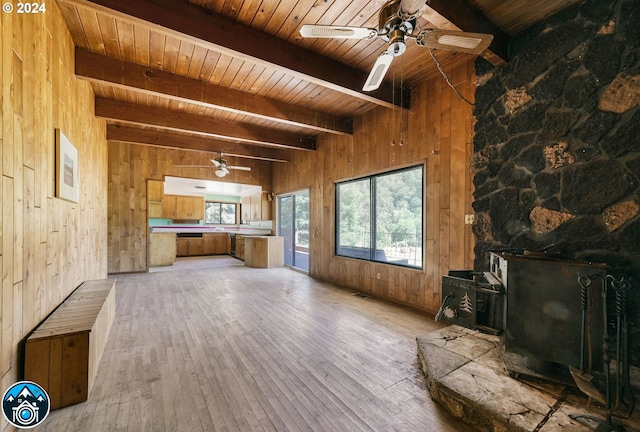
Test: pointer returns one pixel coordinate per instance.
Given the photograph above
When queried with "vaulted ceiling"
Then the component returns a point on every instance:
(236, 76)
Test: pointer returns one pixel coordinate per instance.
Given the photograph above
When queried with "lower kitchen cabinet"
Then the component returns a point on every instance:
(162, 249)
(196, 246)
(182, 247)
(208, 244)
(240, 247)
(217, 244)
(191, 246)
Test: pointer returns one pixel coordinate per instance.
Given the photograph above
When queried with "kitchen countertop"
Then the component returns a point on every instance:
(209, 229)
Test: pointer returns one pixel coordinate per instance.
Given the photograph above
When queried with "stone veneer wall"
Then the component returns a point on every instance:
(557, 146)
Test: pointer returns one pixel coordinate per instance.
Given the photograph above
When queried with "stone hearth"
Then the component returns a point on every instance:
(465, 373)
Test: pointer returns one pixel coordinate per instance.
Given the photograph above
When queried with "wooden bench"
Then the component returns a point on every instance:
(64, 351)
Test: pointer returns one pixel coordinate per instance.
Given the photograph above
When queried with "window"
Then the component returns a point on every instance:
(220, 213)
(380, 217)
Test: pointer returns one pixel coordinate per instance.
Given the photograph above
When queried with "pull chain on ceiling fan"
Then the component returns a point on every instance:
(396, 23)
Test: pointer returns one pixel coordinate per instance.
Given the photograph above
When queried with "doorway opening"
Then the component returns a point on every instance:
(293, 225)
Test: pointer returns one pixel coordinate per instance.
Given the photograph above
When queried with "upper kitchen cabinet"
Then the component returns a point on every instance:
(256, 207)
(155, 190)
(169, 207)
(182, 207)
(189, 207)
(155, 193)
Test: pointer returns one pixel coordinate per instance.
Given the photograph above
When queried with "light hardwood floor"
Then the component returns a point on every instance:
(230, 348)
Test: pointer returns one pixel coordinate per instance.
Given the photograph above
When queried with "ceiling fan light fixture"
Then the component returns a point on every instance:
(220, 172)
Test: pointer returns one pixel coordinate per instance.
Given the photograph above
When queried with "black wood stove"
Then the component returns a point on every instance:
(536, 303)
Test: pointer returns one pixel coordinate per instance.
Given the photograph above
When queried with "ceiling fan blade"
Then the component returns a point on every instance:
(378, 72)
(410, 9)
(193, 166)
(337, 32)
(472, 43)
(241, 168)
(215, 163)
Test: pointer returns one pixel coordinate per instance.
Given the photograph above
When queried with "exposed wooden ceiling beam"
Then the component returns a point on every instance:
(125, 112)
(459, 14)
(213, 31)
(130, 76)
(197, 143)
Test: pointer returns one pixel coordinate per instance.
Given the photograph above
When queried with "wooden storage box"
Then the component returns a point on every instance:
(63, 353)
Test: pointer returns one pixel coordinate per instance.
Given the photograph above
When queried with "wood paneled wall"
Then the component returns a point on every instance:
(48, 246)
(130, 166)
(437, 131)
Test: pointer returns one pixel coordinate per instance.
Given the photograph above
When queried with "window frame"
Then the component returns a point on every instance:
(237, 212)
(372, 215)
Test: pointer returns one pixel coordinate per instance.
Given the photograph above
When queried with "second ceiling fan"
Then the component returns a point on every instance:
(220, 164)
(396, 23)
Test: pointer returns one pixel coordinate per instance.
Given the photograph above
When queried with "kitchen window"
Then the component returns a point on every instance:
(220, 213)
(380, 217)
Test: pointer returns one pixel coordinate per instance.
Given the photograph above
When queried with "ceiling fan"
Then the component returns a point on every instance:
(220, 164)
(397, 22)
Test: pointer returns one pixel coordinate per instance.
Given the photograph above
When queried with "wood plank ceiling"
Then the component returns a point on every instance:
(236, 76)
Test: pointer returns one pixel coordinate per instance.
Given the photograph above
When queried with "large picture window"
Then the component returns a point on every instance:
(380, 217)
(220, 213)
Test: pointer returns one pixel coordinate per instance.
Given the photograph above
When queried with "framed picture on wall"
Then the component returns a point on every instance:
(67, 182)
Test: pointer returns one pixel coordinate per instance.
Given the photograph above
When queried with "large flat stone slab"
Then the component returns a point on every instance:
(466, 373)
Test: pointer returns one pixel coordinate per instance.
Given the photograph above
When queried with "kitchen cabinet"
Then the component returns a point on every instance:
(183, 207)
(256, 207)
(240, 246)
(169, 207)
(155, 190)
(245, 203)
(196, 246)
(154, 209)
(266, 206)
(208, 244)
(155, 194)
(182, 247)
(162, 249)
(190, 246)
(264, 251)
(189, 207)
(217, 244)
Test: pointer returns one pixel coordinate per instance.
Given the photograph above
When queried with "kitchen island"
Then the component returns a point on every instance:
(264, 251)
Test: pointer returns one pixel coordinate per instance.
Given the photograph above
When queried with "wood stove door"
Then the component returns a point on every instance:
(544, 314)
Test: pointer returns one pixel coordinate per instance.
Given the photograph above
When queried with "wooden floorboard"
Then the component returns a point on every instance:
(231, 348)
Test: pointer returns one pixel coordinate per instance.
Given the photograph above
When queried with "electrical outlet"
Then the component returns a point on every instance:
(468, 219)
